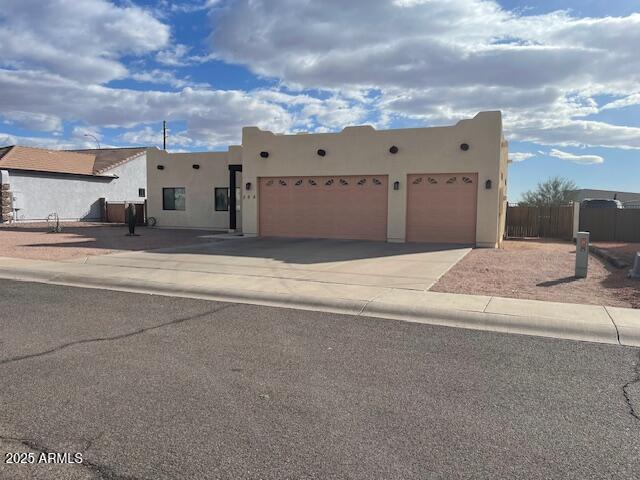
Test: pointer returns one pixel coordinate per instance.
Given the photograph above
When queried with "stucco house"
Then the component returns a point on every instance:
(69, 183)
(440, 184)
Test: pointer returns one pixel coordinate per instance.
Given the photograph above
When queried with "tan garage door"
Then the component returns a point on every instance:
(353, 207)
(441, 208)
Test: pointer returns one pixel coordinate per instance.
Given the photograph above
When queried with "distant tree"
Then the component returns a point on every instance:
(555, 191)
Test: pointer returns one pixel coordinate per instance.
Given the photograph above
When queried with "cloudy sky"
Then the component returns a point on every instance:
(566, 74)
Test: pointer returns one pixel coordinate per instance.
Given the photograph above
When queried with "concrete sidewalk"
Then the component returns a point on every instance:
(118, 272)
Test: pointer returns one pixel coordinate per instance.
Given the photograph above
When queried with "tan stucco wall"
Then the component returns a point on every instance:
(199, 184)
(365, 151)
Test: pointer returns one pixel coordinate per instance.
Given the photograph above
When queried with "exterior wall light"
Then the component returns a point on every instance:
(264, 154)
(195, 166)
(487, 184)
(396, 185)
(160, 167)
(393, 149)
(247, 186)
(321, 152)
(464, 147)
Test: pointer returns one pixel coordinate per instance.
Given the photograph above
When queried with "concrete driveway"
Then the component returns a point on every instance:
(342, 262)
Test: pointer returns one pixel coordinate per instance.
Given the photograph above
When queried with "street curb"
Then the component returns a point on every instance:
(607, 257)
(499, 322)
(351, 307)
(569, 329)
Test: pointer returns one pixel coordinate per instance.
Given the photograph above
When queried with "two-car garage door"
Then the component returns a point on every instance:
(441, 208)
(350, 207)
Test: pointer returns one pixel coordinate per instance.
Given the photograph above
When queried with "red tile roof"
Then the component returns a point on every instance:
(41, 160)
(93, 162)
(108, 158)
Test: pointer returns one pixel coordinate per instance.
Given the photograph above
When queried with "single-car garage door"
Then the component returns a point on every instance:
(441, 208)
(350, 207)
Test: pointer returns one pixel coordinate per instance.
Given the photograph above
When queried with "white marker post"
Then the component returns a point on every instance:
(582, 254)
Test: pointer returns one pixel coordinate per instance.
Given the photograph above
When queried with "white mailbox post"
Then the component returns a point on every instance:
(582, 254)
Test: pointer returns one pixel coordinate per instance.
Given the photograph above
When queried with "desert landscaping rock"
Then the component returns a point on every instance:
(539, 270)
(81, 239)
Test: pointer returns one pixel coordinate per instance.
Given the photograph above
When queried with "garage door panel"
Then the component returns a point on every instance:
(350, 207)
(441, 208)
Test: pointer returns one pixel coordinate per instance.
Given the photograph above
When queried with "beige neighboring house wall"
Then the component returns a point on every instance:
(365, 151)
(199, 187)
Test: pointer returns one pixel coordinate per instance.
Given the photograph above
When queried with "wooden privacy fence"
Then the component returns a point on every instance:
(611, 224)
(116, 212)
(550, 222)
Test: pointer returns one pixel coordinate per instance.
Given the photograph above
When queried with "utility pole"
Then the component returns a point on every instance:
(164, 135)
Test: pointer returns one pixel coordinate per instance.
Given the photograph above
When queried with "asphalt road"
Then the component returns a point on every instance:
(150, 387)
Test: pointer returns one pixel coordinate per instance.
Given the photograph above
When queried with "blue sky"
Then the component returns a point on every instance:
(566, 74)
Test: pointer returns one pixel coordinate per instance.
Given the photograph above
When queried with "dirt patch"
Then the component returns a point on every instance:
(539, 270)
(79, 239)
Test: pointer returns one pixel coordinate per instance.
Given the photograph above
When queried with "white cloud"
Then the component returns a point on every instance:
(334, 113)
(214, 117)
(176, 56)
(149, 136)
(188, 6)
(627, 101)
(78, 139)
(87, 134)
(165, 77)
(81, 40)
(331, 113)
(33, 120)
(577, 133)
(520, 156)
(442, 60)
(58, 57)
(581, 159)
(143, 136)
(433, 43)
(431, 61)
(45, 142)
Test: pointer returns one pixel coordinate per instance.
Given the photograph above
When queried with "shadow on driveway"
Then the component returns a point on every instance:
(309, 251)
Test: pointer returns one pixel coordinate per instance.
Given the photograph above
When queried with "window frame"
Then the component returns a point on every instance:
(164, 199)
(215, 199)
(144, 192)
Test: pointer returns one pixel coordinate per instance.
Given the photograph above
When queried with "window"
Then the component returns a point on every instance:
(222, 199)
(142, 193)
(173, 198)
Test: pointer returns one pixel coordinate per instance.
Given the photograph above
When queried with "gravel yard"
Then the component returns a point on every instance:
(80, 239)
(539, 270)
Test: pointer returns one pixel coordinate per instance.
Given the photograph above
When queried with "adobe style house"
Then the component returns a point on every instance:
(37, 182)
(440, 185)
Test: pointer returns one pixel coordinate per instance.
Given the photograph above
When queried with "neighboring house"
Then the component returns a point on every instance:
(624, 197)
(71, 183)
(439, 185)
